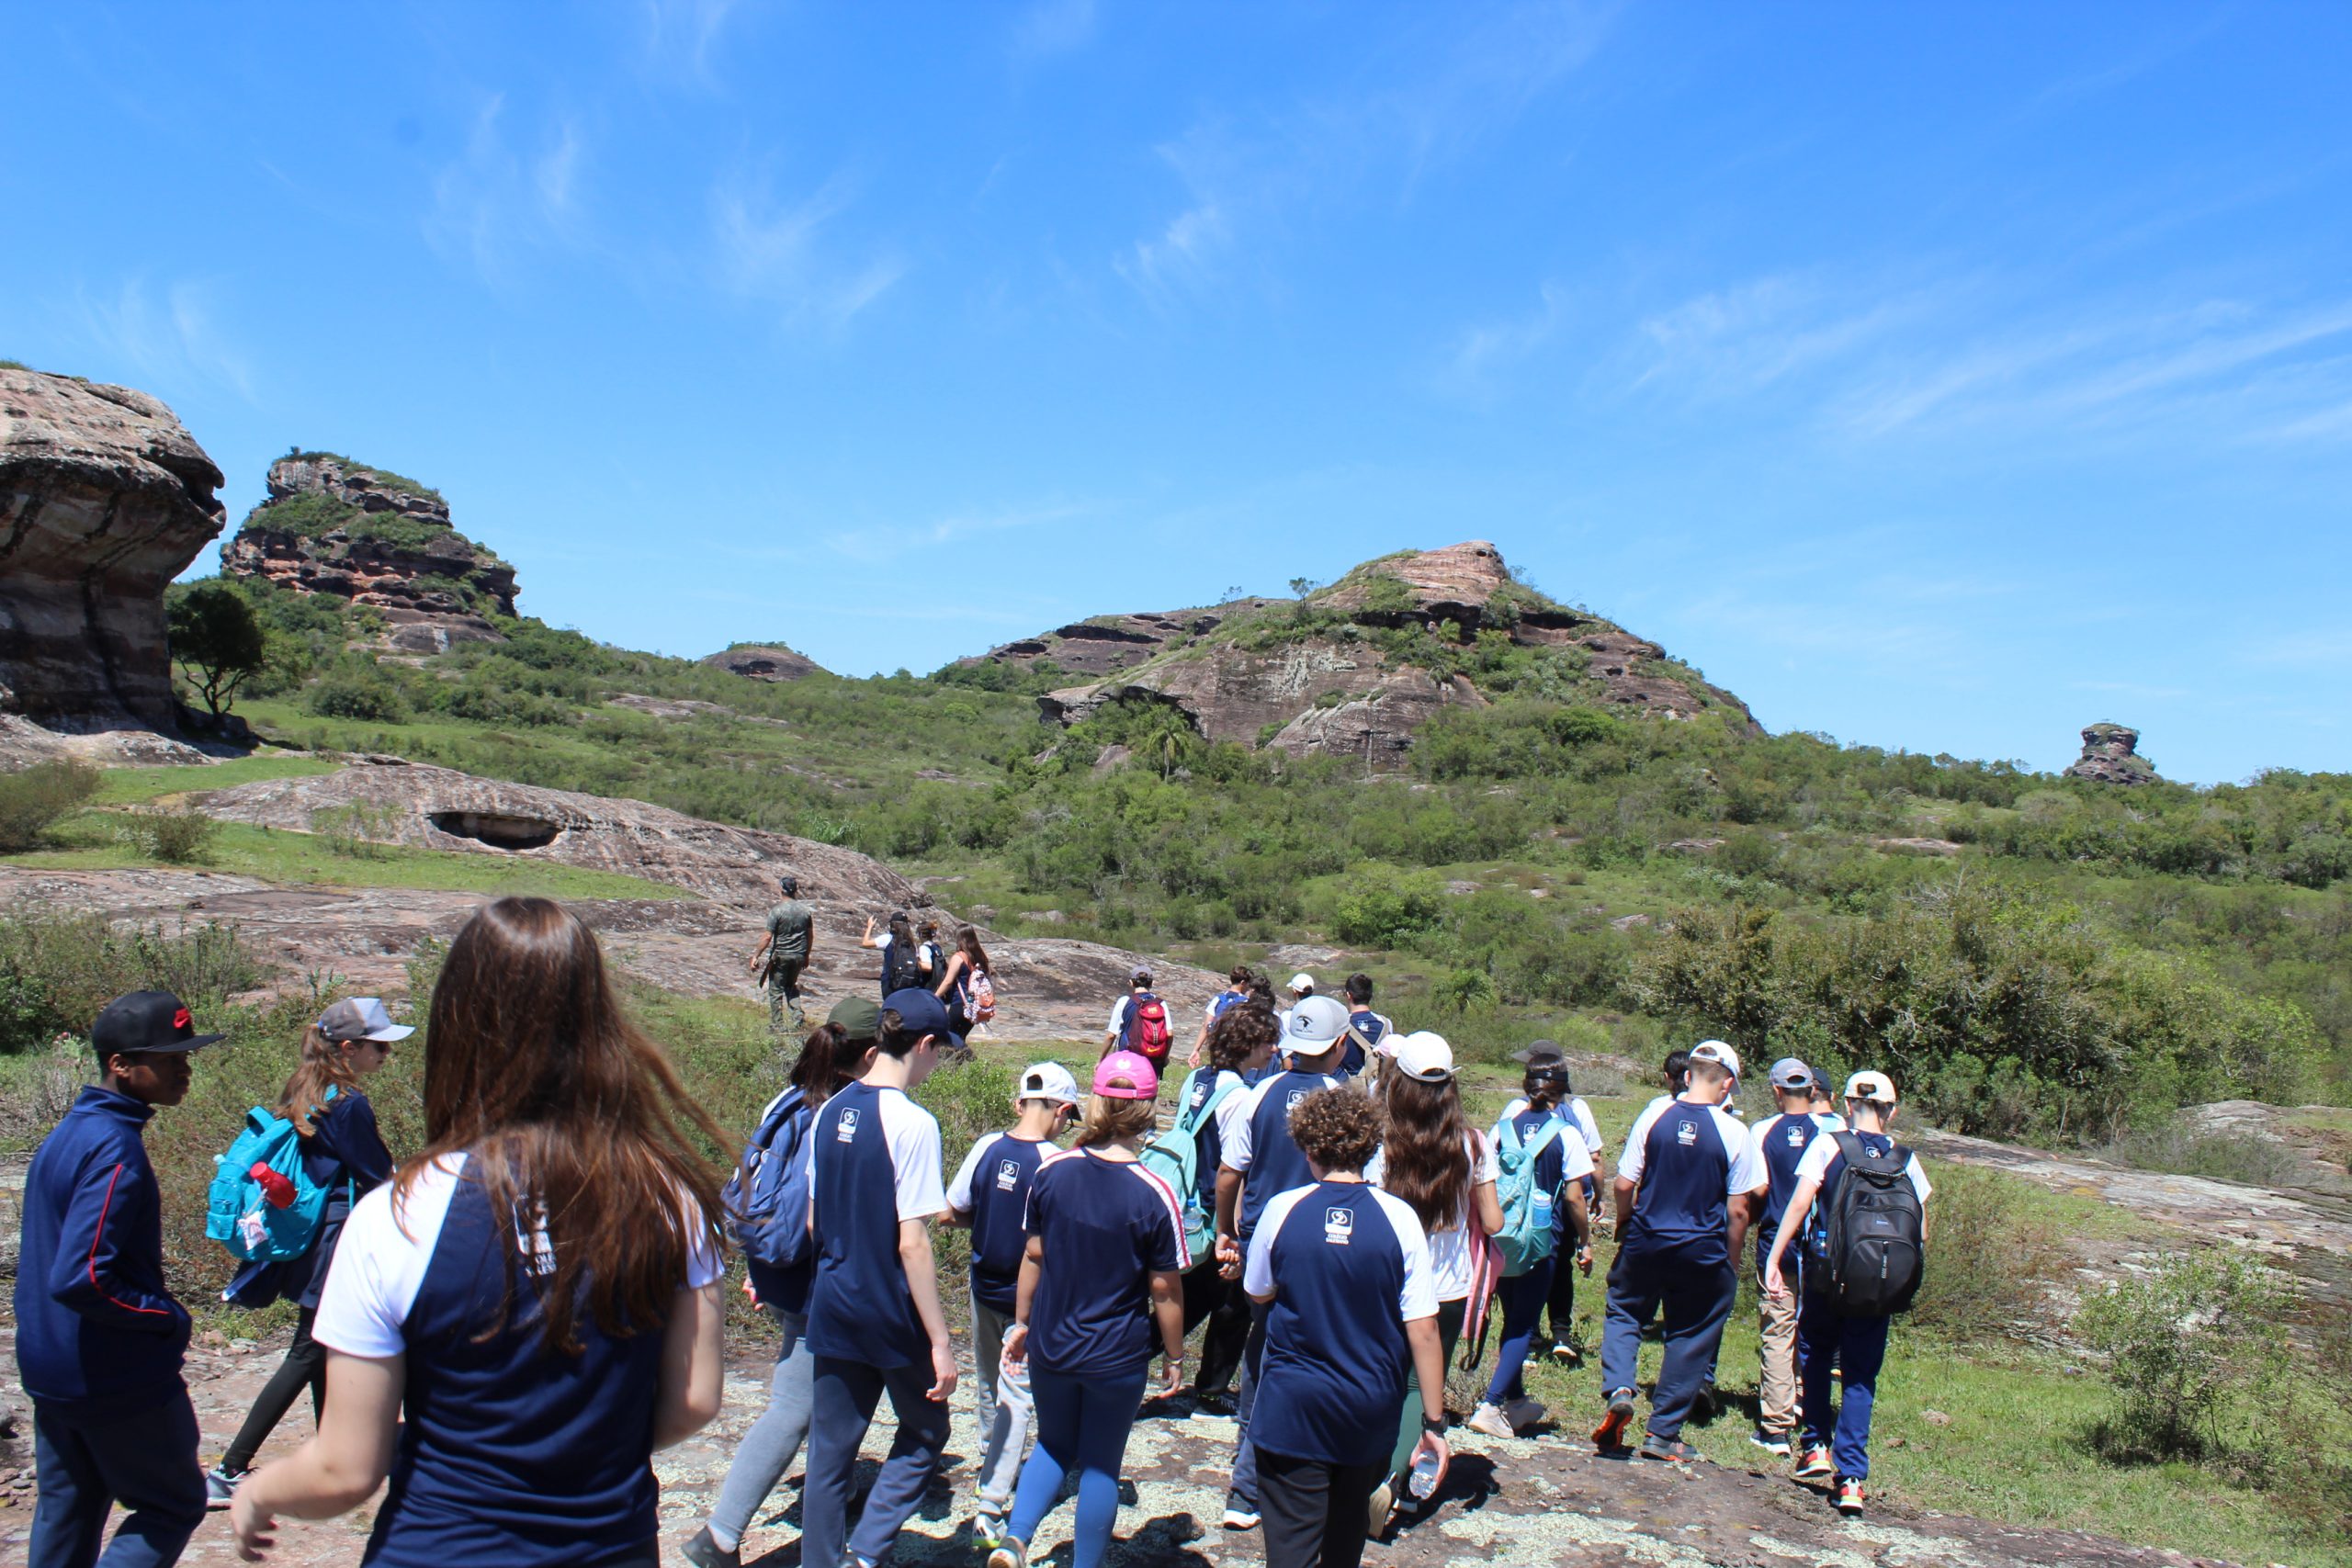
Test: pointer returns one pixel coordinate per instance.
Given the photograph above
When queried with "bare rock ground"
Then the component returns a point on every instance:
(1545, 1503)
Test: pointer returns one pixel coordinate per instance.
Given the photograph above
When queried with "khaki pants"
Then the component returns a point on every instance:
(1777, 1383)
(784, 997)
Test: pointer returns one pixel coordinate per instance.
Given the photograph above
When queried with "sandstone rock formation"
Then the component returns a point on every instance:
(2110, 756)
(765, 661)
(331, 526)
(104, 499)
(1355, 669)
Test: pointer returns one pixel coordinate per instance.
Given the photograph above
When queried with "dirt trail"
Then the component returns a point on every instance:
(1513, 1504)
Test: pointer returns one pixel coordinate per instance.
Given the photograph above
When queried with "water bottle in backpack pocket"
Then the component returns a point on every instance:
(766, 1200)
(1865, 1249)
(1526, 1237)
(263, 1205)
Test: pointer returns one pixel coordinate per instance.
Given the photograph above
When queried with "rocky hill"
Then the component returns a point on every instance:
(765, 661)
(2112, 755)
(106, 498)
(331, 526)
(1355, 668)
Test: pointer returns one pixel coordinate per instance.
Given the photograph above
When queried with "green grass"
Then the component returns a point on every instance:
(126, 786)
(304, 859)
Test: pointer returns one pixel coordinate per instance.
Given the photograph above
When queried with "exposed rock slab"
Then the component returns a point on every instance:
(1107, 644)
(766, 661)
(2112, 755)
(104, 498)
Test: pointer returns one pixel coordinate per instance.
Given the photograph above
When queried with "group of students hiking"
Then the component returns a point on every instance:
(539, 1288)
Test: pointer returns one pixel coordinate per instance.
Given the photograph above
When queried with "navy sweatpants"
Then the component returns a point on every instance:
(840, 1408)
(1856, 1347)
(1697, 1294)
(144, 1460)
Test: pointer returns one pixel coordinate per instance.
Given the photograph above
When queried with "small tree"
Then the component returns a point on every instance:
(216, 638)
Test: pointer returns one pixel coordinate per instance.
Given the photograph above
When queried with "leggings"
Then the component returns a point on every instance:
(768, 1447)
(305, 1366)
(1082, 1424)
(1524, 1296)
(1226, 1307)
(1409, 1431)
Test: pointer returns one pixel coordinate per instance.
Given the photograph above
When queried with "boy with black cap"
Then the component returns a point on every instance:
(1560, 1306)
(99, 1340)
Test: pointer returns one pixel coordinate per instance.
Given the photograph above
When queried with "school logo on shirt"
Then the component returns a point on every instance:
(846, 1128)
(1796, 1137)
(1008, 1175)
(1338, 1224)
(1686, 1133)
(1291, 1104)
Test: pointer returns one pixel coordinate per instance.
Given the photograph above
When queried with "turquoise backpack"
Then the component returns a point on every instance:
(1525, 1239)
(242, 1215)
(1175, 1157)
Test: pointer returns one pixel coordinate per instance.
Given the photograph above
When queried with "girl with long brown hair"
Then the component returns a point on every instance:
(962, 978)
(343, 1154)
(1444, 1171)
(540, 1287)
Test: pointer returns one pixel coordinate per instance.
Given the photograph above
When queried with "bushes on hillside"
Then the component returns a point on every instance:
(2197, 1349)
(57, 971)
(35, 799)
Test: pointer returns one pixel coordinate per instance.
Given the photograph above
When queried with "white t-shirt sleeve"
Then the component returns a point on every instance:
(1234, 1150)
(1813, 1163)
(1919, 1182)
(1586, 1124)
(1637, 1142)
(1118, 1016)
(1258, 1268)
(1576, 1160)
(913, 1135)
(1485, 1166)
(959, 1192)
(1748, 1171)
(380, 1265)
(1419, 1297)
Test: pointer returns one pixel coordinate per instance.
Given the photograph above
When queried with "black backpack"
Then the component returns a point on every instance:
(905, 973)
(1869, 1249)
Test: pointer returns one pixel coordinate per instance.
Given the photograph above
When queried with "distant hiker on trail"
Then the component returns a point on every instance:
(99, 1340)
(1780, 1142)
(1864, 1242)
(966, 985)
(771, 1186)
(1260, 1161)
(343, 1154)
(1433, 1162)
(1211, 1105)
(781, 957)
(1140, 1023)
(1235, 992)
(991, 1196)
(1366, 1028)
(1685, 1186)
(1541, 1161)
(934, 956)
(1100, 1290)
(905, 965)
(1340, 1273)
(525, 1312)
(873, 1315)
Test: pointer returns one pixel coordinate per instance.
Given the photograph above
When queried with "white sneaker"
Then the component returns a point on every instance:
(1524, 1413)
(1492, 1422)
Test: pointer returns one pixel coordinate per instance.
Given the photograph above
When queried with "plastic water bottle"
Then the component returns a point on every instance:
(274, 1186)
(1424, 1477)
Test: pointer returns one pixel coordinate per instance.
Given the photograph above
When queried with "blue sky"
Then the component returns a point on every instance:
(1938, 377)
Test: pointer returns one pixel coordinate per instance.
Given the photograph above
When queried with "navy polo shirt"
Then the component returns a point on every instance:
(875, 1161)
(1780, 1142)
(510, 1452)
(1686, 1160)
(992, 1187)
(1261, 1147)
(1104, 1228)
(1348, 1266)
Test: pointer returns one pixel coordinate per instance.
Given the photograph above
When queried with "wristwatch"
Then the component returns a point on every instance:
(1433, 1424)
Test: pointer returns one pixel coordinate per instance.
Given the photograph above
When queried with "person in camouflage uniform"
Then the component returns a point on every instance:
(781, 957)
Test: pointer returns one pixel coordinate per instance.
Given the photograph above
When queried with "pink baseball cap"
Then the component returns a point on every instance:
(1123, 1075)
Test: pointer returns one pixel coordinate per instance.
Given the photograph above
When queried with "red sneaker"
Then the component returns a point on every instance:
(1816, 1462)
(1849, 1498)
(1611, 1433)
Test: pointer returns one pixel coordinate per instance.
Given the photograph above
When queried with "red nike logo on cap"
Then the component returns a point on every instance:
(181, 1019)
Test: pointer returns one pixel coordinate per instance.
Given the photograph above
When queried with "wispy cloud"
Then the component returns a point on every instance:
(1481, 352)
(1745, 338)
(508, 194)
(170, 339)
(873, 546)
(680, 35)
(778, 251)
(1049, 28)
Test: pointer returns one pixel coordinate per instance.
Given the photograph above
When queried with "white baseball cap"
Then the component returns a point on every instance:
(1716, 1050)
(1048, 1080)
(1425, 1054)
(1301, 981)
(1314, 1025)
(1870, 1086)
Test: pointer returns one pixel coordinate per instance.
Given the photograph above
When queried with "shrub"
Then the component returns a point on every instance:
(35, 799)
(2180, 1147)
(359, 690)
(177, 837)
(58, 970)
(357, 830)
(2199, 1342)
(1990, 1257)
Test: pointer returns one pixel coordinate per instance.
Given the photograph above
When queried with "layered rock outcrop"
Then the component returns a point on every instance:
(104, 498)
(1356, 668)
(2111, 755)
(765, 661)
(333, 527)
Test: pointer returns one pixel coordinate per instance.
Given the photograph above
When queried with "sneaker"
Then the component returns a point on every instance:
(1816, 1463)
(1611, 1433)
(1773, 1443)
(1239, 1515)
(1672, 1450)
(1212, 1403)
(1380, 1510)
(221, 1486)
(851, 1560)
(1567, 1355)
(1706, 1405)
(988, 1530)
(1486, 1419)
(1849, 1497)
(1009, 1553)
(1524, 1413)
